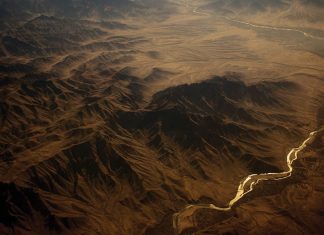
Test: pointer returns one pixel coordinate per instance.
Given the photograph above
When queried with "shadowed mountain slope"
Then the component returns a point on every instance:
(112, 118)
(109, 166)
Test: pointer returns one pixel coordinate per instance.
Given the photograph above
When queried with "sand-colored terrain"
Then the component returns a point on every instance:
(118, 116)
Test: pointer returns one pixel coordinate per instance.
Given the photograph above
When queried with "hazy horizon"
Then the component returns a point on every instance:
(163, 117)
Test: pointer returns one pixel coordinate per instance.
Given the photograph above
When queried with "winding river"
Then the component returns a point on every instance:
(308, 35)
(245, 186)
